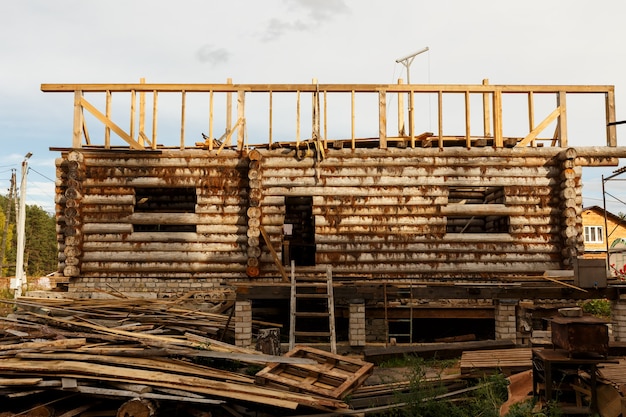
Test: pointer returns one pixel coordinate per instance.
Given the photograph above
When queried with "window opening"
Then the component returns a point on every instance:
(159, 200)
(299, 231)
(477, 223)
(594, 234)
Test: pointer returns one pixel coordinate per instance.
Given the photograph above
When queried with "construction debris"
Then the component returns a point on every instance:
(150, 357)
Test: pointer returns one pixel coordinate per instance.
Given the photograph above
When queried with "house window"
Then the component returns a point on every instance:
(161, 208)
(474, 209)
(299, 231)
(594, 234)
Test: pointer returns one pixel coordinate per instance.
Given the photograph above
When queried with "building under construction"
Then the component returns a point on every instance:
(351, 213)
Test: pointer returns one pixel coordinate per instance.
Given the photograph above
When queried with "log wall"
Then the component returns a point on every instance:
(378, 214)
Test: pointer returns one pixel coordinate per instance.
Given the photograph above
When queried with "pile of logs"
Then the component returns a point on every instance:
(136, 358)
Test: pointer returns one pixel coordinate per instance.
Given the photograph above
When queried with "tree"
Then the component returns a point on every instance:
(40, 253)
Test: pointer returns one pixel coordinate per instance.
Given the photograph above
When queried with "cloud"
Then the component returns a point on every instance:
(213, 56)
(309, 15)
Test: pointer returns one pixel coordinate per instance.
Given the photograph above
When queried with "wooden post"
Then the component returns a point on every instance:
(352, 121)
(382, 119)
(270, 120)
(182, 119)
(268, 341)
(211, 120)
(155, 100)
(229, 115)
(241, 117)
(401, 131)
(107, 129)
(468, 142)
(497, 118)
(78, 119)
(562, 123)
(133, 99)
(142, 114)
(486, 112)
(440, 117)
(611, 133)
(531, 116)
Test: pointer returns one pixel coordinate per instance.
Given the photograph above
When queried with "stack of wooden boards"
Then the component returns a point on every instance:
(148, 355)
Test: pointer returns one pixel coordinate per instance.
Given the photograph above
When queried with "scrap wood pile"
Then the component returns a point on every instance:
(137, 358)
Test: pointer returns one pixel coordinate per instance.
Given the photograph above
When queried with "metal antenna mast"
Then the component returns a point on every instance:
(408, 60)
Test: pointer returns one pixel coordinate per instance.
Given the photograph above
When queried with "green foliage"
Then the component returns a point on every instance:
(40, 253)
(528, 409)
(425, 396)
(597, 307)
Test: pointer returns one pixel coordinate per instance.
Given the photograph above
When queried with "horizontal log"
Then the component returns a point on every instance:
(139, 257)
(184, 218)
(95, 199)
(89, 228)
(108, 159)
(143, 181)
(124, 171)
(379, 182)
(439, 168)
(222, 229)
(140, 246)
(168, 237)
(163, 267)
(331, 239)
(379, 220)
(437, 246)
(383, 230)
(429, 270)
(414, 189)
(221, 200)
(418, 157)
(426, 195)
(434, 258)
(482, 210)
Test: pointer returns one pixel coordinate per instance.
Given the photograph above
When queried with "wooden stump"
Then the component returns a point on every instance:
(268, 341)
(137, 407)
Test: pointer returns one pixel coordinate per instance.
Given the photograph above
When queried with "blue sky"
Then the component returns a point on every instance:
(292, 41)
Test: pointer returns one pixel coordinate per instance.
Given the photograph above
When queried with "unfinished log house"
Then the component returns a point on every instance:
(417, 227)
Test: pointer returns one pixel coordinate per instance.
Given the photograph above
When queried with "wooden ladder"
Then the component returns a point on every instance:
(312, 305)
(399, 328)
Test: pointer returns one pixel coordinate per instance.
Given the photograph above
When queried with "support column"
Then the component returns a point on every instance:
(243, 324)
(357, 324)
(506, 319)
(618, 319)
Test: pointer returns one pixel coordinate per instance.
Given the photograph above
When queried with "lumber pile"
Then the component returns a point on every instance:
(139, 358)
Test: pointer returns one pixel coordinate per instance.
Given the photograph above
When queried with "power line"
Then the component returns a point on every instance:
(37, 172)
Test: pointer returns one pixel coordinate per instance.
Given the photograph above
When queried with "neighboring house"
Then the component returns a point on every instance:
(600, 233)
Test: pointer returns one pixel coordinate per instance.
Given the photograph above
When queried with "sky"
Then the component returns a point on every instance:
(293, 41)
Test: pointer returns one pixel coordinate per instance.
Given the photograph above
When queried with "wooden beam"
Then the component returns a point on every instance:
(540, 127)
(275, 257)
(115, 128)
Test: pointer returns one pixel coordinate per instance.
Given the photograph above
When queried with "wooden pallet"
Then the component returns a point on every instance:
(508, 361)
(334, 376)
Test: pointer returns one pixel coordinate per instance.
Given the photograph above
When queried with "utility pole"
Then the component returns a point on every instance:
(7, 222)
(20, 274)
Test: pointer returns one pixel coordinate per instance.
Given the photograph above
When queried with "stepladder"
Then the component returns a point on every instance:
(312, 310)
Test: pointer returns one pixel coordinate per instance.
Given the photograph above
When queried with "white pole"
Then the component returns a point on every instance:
(408, 60)
(20, 274)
